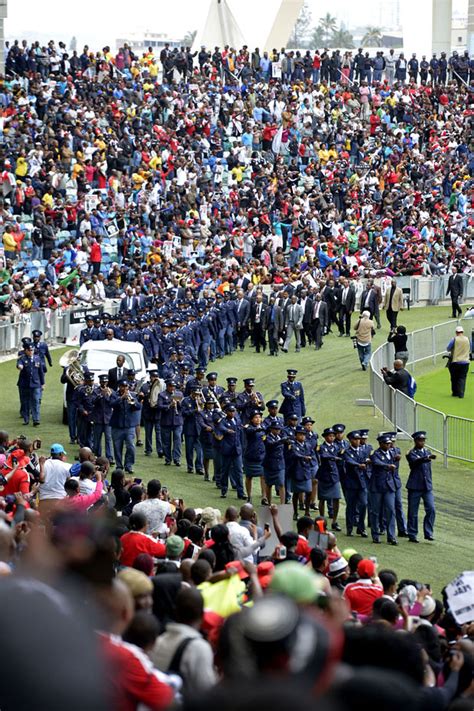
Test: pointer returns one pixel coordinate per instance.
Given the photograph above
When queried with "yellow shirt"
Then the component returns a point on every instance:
(9, 242)
(47, 200)
(21, 166)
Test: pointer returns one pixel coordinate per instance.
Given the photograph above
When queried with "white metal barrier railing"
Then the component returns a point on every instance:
(449, 435)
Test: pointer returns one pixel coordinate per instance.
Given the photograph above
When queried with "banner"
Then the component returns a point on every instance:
(79, 315)
(276, 70)
(460, 597)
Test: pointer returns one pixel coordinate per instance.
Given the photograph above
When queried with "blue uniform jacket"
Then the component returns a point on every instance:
(302, 465)
(383, 473)
(254, 444)
(189, 410)
(420, 478)
(126, 414)
(103, 406)
(170, 414)
(355, 478)
(274, 460)
(230, 444)
(31, 375)
(293, 399)
(328, 471)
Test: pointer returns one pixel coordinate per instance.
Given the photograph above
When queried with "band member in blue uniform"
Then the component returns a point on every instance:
(103, 401)
(228, 432)
(382, 489)
(329, 488)
(30, 384)
(254, 453)
(125, 417)
(293, 396)
(274, 462)
(420, 487)
(355, 460)
(301, 471)
(171, 419)
(41, 348)
(191, 406)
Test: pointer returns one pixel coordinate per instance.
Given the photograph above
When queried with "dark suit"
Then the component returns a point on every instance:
(329, 296)
(456, 291)
(398, 379)
(319, 322)
(257, 320)
(130, 304)
(369, 302)
(346, 309)
(273, 324)
(113, 377)
(243, 315)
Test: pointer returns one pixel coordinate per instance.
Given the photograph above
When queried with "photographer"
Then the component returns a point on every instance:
(398, 336)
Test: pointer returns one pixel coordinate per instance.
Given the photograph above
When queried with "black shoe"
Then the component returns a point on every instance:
(190, 471)
(200, 473)
(412, 539)
(147, 454)
(429, 538)
(264, 501)
(382, 532)
(36, 424)
(363, 534)
(161, 455)
(223, 496)
(295, 517)
(341, 335)
(167, 464)
(129, 471)
(206, 477)
(403, 534)
(375, 540)
(139, 443)
(112, 462)
(25, 424)
(313, 507)
(336, 527)
(177, 464)
(393, 542)
(349, 534)
(242, 497)
(71, 441)
(364, 367)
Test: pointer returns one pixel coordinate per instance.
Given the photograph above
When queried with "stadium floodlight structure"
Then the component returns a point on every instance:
(220, 28)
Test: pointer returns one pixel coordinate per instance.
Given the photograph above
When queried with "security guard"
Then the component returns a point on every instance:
(151, 417)
(382, 489)
(41, 349)
(293, 396)
(83, 401)
(249, 400)
(355, 485)
(301, 471)
(190, 409)
(206, 438)
(254, 453)
(229, 435)
(420, 486)
(103, 401)
(272, 417)
(30, 384)
(171, 419)
(125, 417)
(134, 387)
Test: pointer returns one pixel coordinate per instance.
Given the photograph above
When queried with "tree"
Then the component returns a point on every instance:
(372, 37)
(189, 38)
(317, 38)
(328, 26)
(342, 38)
(299, 35)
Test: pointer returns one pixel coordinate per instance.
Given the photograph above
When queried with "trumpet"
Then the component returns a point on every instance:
(107, 392)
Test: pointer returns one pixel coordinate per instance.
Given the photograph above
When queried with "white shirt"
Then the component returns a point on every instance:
(239, 537)
(55, 474)
(155, 511)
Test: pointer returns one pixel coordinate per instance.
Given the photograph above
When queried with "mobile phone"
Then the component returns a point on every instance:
(37, 444)
(282, 553)
(164, 490)
(373, 558)
(137, 480)
(267, 527)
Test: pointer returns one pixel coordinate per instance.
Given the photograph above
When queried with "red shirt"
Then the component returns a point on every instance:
(135, 542)
(362, 594)
(132, 678)
(302, 547)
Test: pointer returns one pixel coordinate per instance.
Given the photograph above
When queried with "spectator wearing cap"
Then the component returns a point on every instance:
(103, 401)
(228, 434)
(420, 487)
(125, 417)
(362, 594)
(174, 548)
(171, 422)
(382, 490)
(338, 572)
(293, 396)
(355, 490)
(249, 400)
(459, 350)
(140, 587)
(329, 488)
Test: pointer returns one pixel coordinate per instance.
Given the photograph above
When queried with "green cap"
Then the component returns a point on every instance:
(296, 581)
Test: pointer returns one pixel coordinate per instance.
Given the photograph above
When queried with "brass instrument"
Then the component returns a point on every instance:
(213, 396)
(156, 388)
(74, 372)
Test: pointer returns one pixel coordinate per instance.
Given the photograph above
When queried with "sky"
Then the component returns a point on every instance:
(100, 23)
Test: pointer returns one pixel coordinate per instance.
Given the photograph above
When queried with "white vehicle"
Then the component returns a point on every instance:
(100, 356)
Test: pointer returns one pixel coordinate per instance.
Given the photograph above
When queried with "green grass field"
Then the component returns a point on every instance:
(333, 381)
(434, 390)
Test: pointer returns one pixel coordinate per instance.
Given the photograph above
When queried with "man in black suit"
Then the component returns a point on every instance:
(319, 320)
(368, 300)
(329, 296)
(455, 290)
(129, 303)
(257, 321)
(118, 373)
(273, 324)
(243, 314)
(346, 306)
(306, 301)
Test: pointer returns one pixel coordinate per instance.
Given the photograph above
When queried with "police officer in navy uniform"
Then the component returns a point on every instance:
(329, 488)
(355, 485)
(30, 384)
(151, 417)
(249, 400)
(420, 487)
(341, 444)
(230, 395)
(171, 419)
(89, 332)
(272, 417)
(289, 433)
(293, 396)
(399, 514)
(206, 428)
(382, 488)
(196, 380)
(301, 470)
(125, 417)
(191, 406)
(212, 389)
(312, 442)
(274, 462)
(83, 401)
(103, 401)
(41, 348)
(228, 432)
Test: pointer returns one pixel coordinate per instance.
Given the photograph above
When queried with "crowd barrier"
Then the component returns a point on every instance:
(449, 435)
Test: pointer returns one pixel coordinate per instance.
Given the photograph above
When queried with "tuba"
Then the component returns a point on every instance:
(155, 389)
(74, 372)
